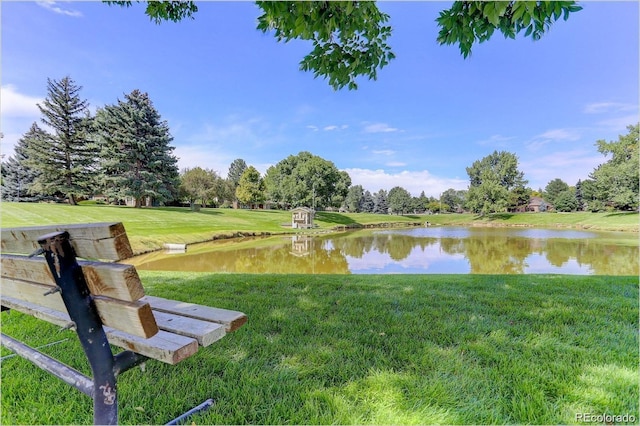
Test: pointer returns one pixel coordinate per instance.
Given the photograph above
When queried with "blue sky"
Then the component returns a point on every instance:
(229, 91)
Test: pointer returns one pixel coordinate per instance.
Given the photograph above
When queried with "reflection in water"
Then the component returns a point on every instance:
(413, 251)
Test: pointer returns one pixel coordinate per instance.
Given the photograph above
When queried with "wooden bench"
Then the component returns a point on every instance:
(103, 301)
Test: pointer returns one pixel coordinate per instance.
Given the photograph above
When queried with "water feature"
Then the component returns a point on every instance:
(429, 250)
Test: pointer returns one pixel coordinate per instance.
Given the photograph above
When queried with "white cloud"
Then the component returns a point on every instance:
(16, 104)
(17, 112)
(387, 152)
(496, 140)
(603, 107)
(204, 156)
(379, 128)
(313, 128)
(561, 135)
(570, 166)
(619, 124)
(330, 128)
(415, 181)
(554, 135)
(53, 6)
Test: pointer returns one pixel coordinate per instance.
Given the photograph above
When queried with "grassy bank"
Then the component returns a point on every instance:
(148, 229)
(369, 350)
(616, 221)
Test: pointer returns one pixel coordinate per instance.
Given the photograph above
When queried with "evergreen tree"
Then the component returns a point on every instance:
(136, 155)
(65, 159)
(353, 200)
(381, 204)
(420, 203)
(17, 175)
(236, 169)
(579, 197)
(368, 203)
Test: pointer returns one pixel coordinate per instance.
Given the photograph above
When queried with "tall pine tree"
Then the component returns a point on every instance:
(136, 155)
(17, 175)
(64, 158)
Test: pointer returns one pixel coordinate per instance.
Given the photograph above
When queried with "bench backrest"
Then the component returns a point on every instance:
(116, 288)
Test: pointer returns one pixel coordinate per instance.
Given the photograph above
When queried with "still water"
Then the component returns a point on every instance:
(434, 250)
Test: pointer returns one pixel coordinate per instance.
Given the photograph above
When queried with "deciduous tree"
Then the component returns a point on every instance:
(399, 200)
(306, 180)
(250, 189)
(199, 184)
(555, 188)
(617, 180)
(468, 22)
(350, 37)
(454, 199)
(566, 201)
(492, 180)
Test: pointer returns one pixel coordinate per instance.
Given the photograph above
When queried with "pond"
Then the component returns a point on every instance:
(429, 250)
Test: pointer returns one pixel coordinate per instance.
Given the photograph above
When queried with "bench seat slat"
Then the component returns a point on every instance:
(204, 332)
(116, 280)
(106, 241)
(232, 320)
(165, 346)
(132, 317)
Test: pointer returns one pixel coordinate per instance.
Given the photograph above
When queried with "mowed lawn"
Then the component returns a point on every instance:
(150, 228)
(349, 349)
(375, 349)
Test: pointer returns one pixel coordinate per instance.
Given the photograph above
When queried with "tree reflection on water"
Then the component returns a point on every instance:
(445, 250)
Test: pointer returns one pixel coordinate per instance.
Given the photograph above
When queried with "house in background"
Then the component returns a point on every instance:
(537, 205)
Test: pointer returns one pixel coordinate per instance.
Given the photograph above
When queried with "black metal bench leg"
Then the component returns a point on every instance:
(68, 275)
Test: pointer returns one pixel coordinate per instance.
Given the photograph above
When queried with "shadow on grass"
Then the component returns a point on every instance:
(621, 214)
(494, 216)
(334, 218)
(371, 350)
(207, 211)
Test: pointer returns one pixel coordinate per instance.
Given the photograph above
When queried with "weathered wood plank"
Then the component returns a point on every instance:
(232, 320)
(164, 346)
(131, 317)
(204, 332)
(107, 241)
(115, 280)
(50, 315)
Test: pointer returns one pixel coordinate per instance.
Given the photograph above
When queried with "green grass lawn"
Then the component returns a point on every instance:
(150, 228)
(375, 349)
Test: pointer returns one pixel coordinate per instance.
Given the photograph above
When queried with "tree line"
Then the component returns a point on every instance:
(124, 152)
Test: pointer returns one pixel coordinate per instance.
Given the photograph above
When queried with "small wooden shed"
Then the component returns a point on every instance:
(302, 218)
